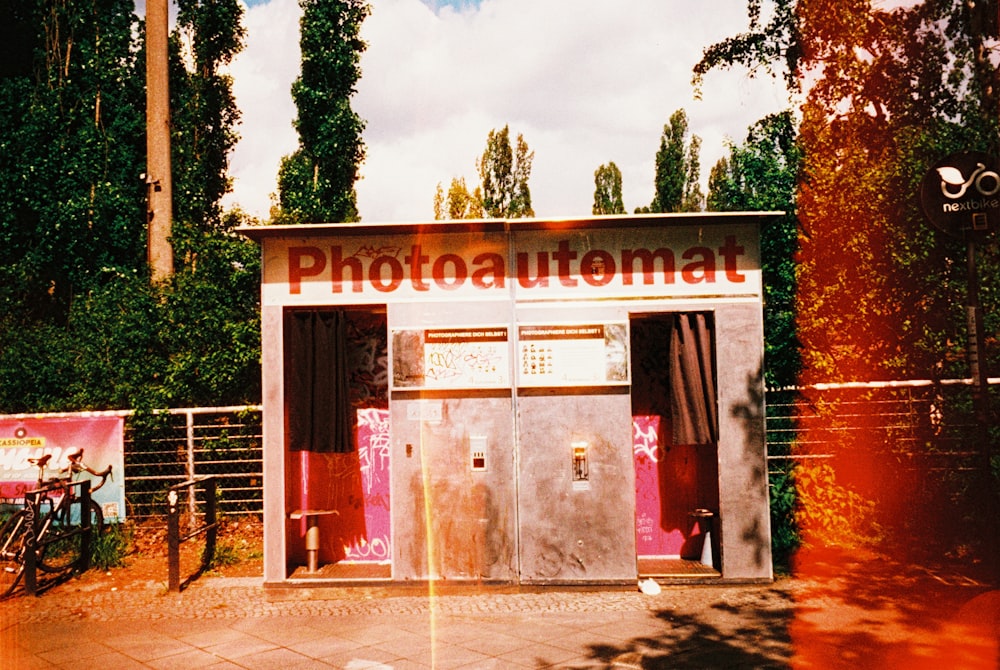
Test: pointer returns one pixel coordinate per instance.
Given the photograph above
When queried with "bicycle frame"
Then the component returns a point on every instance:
(39, 538)
(55, 535)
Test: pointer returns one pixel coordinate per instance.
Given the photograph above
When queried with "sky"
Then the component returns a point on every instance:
(586, 82)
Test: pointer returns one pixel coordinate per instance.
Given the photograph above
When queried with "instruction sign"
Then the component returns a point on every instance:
(573, 355)
(451, 358)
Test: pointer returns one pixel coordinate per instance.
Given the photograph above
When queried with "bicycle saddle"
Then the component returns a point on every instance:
(75, 455)
(41, 461)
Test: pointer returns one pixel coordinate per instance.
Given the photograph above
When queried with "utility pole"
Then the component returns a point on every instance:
(159, 186)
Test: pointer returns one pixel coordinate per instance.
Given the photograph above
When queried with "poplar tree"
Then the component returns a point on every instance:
(316, 182)
(204, 110)
(504, 171)
(608, 190)
(503, 191)
(71, 152)
(761, 175)
(677, 169)
(459, 203)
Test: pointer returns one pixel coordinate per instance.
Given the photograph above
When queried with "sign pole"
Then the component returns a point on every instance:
(981, 408)
(960, 196)
(976, 333)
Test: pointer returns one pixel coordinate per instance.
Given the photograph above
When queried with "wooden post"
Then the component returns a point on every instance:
(159, 186)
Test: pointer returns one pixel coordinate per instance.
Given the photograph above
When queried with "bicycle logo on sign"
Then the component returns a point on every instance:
(954, 184)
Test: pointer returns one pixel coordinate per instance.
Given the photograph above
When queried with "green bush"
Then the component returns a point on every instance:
(785, 537)
(829, 514)
(125, 344)
(110, 548)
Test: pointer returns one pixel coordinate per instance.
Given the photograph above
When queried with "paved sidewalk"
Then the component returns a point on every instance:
(853, 616)
(228, 623)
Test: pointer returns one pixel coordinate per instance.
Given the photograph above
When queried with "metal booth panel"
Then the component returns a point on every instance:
(454, 502)
(576, 487)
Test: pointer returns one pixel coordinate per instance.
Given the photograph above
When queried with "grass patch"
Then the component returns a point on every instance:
(110, 548)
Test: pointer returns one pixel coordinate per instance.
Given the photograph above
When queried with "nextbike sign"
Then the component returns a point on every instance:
(960, 195)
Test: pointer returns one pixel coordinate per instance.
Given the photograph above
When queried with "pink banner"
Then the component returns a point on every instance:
(100, 437)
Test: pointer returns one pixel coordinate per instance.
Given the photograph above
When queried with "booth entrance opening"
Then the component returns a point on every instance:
(337, 502)
(675, 443)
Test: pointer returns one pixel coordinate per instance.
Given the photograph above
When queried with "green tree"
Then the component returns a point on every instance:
(71, 152)
(885, 94)
(459, 203)
(504, 172)
(693, 199)
(608, 190)
(503, 191)
(890, 92)
(204, 110)
(761, 175)
(677, 169)
(316, 182)
(80, 325)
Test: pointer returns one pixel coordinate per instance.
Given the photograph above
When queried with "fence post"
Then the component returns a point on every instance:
(212, 529)
(192, 495)
(174, 539)
(173, 543)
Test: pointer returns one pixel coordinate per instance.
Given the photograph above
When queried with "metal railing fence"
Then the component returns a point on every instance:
(918, 431)
(913, 420)
(913, 453)
(167, 448)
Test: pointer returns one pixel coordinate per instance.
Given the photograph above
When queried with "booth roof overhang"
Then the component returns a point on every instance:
(692, 219)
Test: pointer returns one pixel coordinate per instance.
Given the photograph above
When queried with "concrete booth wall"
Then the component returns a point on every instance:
(514, 401)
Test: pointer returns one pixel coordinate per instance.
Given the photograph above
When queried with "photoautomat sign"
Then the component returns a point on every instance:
(537, 264)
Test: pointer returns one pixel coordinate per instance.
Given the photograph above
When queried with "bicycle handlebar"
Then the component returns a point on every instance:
(76, 465)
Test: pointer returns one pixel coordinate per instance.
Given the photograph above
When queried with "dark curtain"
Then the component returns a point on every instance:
(317, 397)
(693, 407)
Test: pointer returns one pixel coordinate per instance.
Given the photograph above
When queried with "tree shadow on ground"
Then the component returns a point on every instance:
(693, 641)
(841, 610)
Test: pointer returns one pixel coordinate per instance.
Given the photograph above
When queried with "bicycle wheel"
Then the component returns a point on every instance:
(13, 536)
(62, 543)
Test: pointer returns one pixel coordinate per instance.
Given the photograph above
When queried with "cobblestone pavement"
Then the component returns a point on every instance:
(845, 614)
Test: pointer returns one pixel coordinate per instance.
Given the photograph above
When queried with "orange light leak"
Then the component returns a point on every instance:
(865, 602)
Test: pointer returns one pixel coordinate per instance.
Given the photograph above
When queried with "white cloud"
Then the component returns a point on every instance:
(262, 79)
(585, 81)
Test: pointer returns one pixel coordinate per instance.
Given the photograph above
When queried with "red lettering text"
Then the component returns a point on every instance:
(416, 262)
(459, 275)
(491, 267)
(295, 269)
(597, 267)
(337, 265)
(648, 260)
(701, 270)
(729, 251)
(540, 279)
(395, 274)
(563, 256)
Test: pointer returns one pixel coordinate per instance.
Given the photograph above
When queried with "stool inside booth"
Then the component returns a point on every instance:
(312, 534)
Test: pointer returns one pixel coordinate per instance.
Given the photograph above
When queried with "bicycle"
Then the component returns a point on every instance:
(54, 523)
